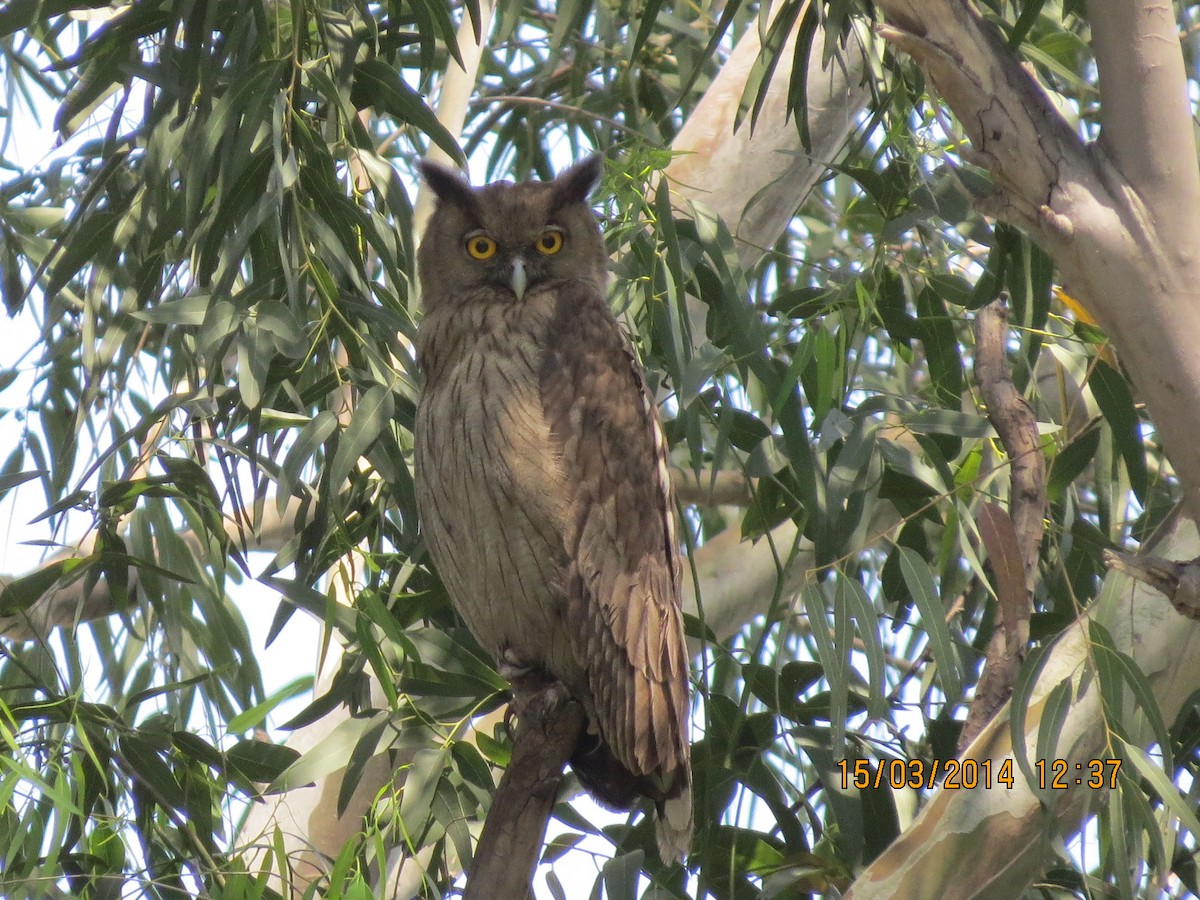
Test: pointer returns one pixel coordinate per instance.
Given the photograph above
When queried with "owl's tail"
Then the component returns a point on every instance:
(674, 826)
(615, 787)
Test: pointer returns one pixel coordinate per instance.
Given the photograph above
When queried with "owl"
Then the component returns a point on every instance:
(541, 478)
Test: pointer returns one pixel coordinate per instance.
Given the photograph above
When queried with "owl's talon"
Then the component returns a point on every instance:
(536, 695)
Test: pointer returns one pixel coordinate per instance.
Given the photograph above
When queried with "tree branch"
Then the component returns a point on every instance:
(715, 488)
(549, 728)
(1179, 582)
(1014, 128)
(1130, 258)
(1013, 540)
(1147, 130)
(69, 605)
(756, 179)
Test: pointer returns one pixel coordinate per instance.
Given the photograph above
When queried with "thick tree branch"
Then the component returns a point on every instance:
(1147, 130)
(1179, 582)
(76, 602)
(717, 488)
(755, 179)
(549, 728)
(1130, 258)
(1014, 128)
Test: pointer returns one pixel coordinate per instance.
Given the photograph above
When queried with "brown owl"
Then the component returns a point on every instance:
(542, 481)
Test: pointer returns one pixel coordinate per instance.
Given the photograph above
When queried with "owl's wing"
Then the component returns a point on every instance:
(624, 576)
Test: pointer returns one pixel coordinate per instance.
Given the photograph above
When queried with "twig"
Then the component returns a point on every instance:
(1014, 539)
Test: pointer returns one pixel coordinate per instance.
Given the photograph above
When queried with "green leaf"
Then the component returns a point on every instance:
(834, 660)
(620, 875)
(1021, 704)
(941, 349)
(1112, 664)
(1070, 462)
(859, 605)
(92, 239)
(8, 482)
(946, 421)
(373, 411)
(364, 750)
(190, 310)
(257, 714)
(1116, 403)
(311, 437)
(378, 84)
(330, 753)
(1171, 795)
(150, 693)
(919, 579)
(21, 593)
(80, 499)
(145, 764)
(260, 761)
(648, 17)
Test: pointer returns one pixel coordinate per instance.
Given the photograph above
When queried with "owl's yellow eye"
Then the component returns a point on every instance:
(550, 242)
(480, 246)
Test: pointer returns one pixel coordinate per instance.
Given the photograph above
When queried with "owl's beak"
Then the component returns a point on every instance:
(520, 278)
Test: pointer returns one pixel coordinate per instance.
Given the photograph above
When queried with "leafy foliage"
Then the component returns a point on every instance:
(218, 264)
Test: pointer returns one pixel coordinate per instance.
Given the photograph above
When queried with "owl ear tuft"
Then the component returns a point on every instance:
(447, 184)
(576, 183)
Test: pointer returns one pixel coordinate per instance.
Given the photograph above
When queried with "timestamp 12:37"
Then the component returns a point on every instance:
(968, 774)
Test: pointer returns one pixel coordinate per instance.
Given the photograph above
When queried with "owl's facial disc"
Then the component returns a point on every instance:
(520, 277)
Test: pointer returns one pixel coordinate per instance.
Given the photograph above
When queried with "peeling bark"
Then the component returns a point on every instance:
(1013, 539)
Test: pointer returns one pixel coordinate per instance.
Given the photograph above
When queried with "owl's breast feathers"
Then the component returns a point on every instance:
(571, 513)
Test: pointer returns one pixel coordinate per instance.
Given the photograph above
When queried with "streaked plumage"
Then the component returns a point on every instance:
(542, 480)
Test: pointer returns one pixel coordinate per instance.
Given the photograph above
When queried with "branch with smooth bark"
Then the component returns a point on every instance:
(68, 605)
(711, 488)
(77, 602)
(1119, 216)
(756, 178)
(1179, 582)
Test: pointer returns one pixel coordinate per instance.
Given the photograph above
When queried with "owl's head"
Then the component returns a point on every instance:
(510, 237)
